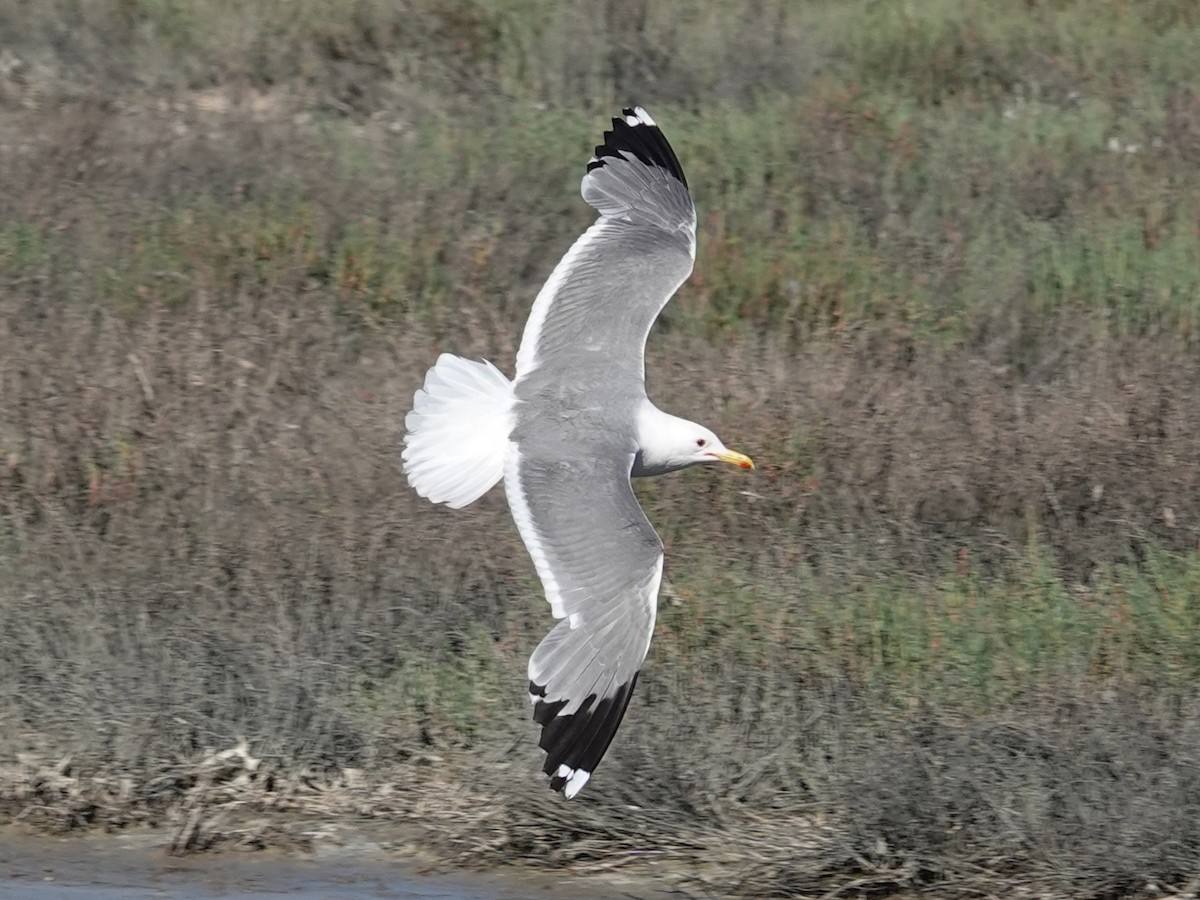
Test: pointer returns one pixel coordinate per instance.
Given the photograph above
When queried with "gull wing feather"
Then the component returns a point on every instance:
(608, 289)
(600, 562)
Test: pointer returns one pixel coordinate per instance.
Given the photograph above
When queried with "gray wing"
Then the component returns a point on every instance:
(614, 281)
(601, 565)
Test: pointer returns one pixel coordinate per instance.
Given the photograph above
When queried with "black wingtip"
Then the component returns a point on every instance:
(639, 135)
(578, 741)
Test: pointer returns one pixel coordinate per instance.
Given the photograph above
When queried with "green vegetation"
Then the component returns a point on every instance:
(947, 294)
(962, 170)
(962, 641)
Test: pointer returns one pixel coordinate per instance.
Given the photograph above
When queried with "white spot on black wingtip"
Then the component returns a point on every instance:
(635, 115)
(571, 781)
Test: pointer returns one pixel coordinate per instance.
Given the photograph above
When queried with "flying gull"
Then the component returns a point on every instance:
(567, 433)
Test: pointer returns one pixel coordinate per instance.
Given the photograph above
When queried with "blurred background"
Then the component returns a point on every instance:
(947, 295)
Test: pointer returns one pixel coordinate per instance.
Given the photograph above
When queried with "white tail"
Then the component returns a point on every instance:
(458, 431)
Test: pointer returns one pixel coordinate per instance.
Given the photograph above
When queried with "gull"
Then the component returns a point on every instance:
(568, 432)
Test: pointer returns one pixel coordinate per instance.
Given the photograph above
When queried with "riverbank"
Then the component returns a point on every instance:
(919, 812)
(342, 860)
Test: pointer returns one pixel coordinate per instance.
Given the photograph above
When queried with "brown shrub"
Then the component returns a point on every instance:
(238, 460)
(229, 446)
(915, 458)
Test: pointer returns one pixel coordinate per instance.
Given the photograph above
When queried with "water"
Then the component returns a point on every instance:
(135, 868)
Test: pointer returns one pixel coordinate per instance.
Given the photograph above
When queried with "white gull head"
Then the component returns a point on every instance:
(667, 443)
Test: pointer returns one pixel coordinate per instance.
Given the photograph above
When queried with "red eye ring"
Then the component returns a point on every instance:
(700, 442)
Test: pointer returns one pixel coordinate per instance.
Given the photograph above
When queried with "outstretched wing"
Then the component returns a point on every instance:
(601, 564)
(614, 281)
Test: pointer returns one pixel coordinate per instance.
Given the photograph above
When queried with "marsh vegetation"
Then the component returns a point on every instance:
(947, 295)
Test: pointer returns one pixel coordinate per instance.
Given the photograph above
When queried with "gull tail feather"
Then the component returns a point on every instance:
(457, 432)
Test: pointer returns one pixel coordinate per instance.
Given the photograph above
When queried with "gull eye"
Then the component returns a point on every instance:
(700, 442)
